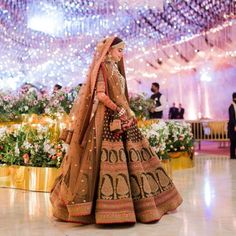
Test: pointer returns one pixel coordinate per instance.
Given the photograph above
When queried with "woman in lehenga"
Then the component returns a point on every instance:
(110, 173)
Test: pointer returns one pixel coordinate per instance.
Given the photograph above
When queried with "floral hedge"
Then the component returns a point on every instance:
(31, 146)
(140, 104)
(171, 136)
(38, 145)
(13, 106)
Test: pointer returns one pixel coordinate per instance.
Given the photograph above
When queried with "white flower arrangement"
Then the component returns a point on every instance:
(157, 135)
(180, 136)
(171, 136)
(30, 145)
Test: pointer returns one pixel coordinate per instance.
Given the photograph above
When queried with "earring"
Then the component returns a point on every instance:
(109, 56)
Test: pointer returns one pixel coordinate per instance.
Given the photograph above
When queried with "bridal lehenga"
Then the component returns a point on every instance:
(108, 178)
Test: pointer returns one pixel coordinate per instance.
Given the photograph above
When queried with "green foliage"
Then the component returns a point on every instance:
(140, 105)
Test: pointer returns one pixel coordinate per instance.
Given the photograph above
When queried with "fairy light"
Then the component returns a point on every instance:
(61, 50)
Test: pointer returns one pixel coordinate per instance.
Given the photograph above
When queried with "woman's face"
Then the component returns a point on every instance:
(117, 53)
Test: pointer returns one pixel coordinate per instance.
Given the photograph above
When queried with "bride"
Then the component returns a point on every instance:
(110, 173)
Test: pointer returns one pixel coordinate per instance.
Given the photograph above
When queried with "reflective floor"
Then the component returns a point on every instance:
(209, 208)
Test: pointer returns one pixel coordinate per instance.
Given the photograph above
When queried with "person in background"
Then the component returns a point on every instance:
(180, 112)
(232, 127)
(173, 112)
(43, 92)
(57, 87)
(28, 88)
(156, 111)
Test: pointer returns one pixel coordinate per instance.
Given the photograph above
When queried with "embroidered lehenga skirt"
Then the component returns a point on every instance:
(131, 184)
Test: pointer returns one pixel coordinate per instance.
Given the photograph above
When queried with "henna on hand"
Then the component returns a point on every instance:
(127, 124)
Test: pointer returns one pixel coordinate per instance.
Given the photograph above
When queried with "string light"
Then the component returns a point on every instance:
(47, 42)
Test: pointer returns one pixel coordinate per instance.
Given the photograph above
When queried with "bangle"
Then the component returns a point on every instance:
(121, 112)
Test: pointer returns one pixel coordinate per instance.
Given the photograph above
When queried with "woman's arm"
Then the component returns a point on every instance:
(101, 93)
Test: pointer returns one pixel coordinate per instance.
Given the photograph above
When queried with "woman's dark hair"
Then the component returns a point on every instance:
(116, 41)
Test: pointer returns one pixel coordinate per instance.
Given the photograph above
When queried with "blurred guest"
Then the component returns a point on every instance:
(180, 112)
(24, 88)
(159, 102)
(56, 88)
(43, 92)
(28, 88)
(232, 127)
(173, 112)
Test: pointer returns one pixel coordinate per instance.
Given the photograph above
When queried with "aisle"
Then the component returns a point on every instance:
(209, 208)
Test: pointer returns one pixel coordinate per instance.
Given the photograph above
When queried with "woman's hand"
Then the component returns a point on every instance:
(124, 118)
(128, 124)
(135, 121)
(152, 109)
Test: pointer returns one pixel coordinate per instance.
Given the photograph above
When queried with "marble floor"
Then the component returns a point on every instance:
(209, 208)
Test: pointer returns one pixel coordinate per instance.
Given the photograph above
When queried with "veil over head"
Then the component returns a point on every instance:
(86, 95)
(81, 105)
